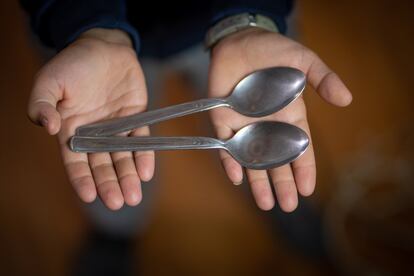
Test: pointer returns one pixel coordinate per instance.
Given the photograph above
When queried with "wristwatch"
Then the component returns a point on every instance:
(235, 23)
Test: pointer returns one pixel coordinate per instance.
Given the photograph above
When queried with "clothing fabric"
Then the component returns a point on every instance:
(157, 28)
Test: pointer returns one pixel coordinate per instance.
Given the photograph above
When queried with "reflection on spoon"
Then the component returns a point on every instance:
(261, 145)
(260, 93)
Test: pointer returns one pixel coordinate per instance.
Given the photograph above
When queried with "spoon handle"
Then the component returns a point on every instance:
(118, 125)
(118, 143)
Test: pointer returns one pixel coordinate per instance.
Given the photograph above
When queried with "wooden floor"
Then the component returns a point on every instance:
(202, 224)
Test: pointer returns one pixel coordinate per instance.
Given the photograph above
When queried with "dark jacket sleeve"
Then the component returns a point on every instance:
(60, 22)
(275, 9)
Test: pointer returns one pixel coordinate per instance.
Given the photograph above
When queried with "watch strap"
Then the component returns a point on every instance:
(235, 23)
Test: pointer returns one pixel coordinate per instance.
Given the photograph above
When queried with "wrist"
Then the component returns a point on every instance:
(108, 35)
(239, 38)
(236, 23)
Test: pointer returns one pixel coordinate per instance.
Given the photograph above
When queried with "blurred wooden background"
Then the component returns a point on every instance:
(202, 224)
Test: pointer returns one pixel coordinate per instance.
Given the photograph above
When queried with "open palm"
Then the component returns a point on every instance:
(89, 81)
(242, 53)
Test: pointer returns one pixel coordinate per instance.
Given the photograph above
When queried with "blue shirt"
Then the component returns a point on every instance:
(157, 28)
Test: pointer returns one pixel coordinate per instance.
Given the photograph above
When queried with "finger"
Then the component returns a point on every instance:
(285, 189)
(106, 180)
(232, 168)
(144, 160)
(328, 85)
(79, 174)
(262, 192)
(127, 177)
(304, 168)
(42, 104)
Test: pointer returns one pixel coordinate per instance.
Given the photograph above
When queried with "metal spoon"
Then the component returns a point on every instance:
(259, 94)
(261, 145)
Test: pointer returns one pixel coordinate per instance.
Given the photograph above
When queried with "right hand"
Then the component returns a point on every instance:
(247, 51)
(95, 78)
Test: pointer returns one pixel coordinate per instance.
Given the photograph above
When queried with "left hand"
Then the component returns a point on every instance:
(97, 77)
(249, 50)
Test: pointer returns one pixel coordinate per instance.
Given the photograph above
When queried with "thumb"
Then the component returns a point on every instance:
(42, 105)
(327, 84)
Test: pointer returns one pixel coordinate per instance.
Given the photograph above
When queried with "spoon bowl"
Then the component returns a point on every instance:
(267, 91)
(267, 145)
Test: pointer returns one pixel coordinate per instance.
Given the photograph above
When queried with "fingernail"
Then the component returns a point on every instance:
(44, 121)
(238, 183)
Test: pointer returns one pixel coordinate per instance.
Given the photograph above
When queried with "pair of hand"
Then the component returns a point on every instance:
(99, 77)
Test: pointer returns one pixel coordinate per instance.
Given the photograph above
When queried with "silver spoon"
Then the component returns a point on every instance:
(261, 145)
(259, 94)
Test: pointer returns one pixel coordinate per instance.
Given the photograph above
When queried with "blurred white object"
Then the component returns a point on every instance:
(369, 221)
